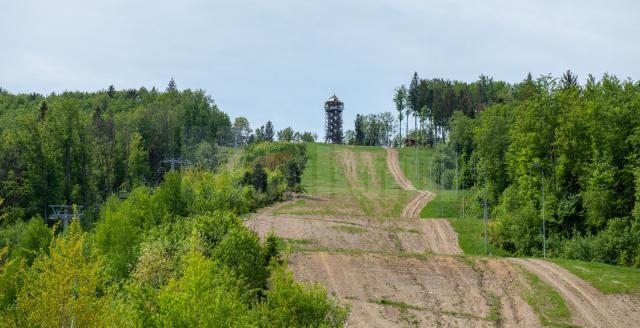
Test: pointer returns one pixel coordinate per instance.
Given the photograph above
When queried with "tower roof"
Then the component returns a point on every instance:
(334, 99)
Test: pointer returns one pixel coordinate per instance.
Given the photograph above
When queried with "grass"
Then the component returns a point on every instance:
(471, 237)
(372, 192)
(609, 279)
(416, 165)
(494, 309)
(446, 204)
(546, 302)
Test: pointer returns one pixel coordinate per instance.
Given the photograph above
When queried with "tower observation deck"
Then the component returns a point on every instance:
(333, 123)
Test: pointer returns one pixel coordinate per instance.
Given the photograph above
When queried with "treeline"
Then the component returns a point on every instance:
(430, 104)
(243, 135)
(78, 147)
(372, 130)
(577, 144)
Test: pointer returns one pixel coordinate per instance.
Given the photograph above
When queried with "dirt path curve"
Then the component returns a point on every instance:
(438, 232)
(589, 307)
(413, 208)
(394, 168)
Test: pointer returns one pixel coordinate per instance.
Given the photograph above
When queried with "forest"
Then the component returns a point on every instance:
(157, 196)
(547, 148)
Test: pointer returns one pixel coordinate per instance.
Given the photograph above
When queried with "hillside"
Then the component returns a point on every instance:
(351, 233)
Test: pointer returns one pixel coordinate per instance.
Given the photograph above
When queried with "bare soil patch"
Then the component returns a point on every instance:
(387, 291)
(342, 233)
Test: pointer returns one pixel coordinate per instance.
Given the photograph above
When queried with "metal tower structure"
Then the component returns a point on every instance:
(64, 213)
(333, 122)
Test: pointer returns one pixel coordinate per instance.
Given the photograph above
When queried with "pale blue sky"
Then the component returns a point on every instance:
(281, 60)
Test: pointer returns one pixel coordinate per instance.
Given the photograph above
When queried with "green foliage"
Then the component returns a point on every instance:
(137, 167)
(170, 198)
(12, 272)
(579, 145)
(205, 295)
(291, 304)
(276, 159)
(119, 231)
(372, 130)
(78, 147)
(67, 287)
(240, 250)
(271, 249)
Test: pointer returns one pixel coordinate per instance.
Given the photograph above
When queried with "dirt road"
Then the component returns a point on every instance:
(589, 307)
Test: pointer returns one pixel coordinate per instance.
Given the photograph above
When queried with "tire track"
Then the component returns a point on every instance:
(589, 307)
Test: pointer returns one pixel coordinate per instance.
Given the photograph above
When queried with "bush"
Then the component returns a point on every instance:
(292, 304)
(618, 244)
(241, 252)
(206, 295)
(119, 231)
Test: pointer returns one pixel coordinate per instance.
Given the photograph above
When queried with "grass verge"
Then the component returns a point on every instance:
(609, 279)
(471, 237)
(546, 302)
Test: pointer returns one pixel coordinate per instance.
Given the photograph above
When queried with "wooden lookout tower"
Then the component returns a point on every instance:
(333, 122)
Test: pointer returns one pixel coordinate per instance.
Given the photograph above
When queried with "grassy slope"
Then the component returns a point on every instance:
(546, 302)
(415, 163)
(609, 279)
(374, 193)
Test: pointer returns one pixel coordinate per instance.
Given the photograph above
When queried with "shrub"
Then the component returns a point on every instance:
(292, 304)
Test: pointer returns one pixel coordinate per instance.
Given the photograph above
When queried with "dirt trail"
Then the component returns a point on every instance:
(394, 168)
(589, 307)
(412, 210)
(439, 234)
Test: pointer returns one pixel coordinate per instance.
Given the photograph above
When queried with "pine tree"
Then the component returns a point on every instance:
(137, 167)
(172, 86)
(43, 111)
(259, 180)
(359, 129)
(269, 132)
(569, 80)
(111, 92)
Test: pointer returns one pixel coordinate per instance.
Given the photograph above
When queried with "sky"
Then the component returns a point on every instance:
(279, 60)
